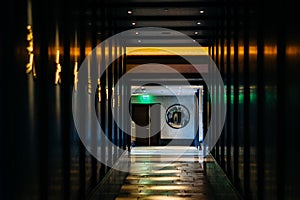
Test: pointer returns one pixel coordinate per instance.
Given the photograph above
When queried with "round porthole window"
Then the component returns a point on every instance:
(177, 116)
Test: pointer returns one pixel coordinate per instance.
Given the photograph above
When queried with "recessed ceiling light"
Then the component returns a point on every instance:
(136, 33)
(196, 32)
(129, 12)
(198, 23)
(133, 23)
(201, 11)
(139, 41)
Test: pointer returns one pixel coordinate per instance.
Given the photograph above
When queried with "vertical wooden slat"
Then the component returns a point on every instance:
(121, 71)
(82, 150)
(246, 104)
(236, 96)
(281, 102)
(216, 92)
(228, 91)
(102, 92)
(260, 101)
(109, 85)
(94, 136)
(42, 18)
(222, 71)
(66, 100)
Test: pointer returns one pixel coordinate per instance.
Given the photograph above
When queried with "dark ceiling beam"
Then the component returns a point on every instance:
(205, 43)
(172, 59)
(183, 4)
(168, 37)
(177, 28)
(170, 18)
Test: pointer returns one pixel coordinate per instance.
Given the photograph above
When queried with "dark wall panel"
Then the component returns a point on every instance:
(261, 78)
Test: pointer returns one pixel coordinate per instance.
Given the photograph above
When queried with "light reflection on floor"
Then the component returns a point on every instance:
(165, 173)
(163, 176)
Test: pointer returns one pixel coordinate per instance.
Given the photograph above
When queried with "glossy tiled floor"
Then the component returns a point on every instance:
(159, 173)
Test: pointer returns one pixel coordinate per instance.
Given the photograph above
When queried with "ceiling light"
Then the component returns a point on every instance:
(136, 33)
(201, 11)
(198, 23)
(129, 12)
(139, 41)
(196, 32)
(133, 23)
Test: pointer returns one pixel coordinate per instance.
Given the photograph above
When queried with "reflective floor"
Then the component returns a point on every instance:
(164, 173)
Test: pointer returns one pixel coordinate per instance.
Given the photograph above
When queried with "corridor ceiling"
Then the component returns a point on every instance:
(198, 19)
(201, 20)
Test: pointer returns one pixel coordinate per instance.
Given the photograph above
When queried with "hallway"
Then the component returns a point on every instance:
(98, 98)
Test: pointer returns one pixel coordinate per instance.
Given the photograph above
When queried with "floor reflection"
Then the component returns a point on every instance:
(160, 173)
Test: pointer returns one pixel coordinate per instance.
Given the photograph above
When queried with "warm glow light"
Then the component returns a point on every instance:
(253, 50)
(268, 50)
(57, 57)
(57, 74)
(99, 90)
(75, 75)
(166, 51)
(89, 87)
(58, 69)
(292, 50)
(88, 50)
(75, 48)
(57, 79)
(29, 48)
